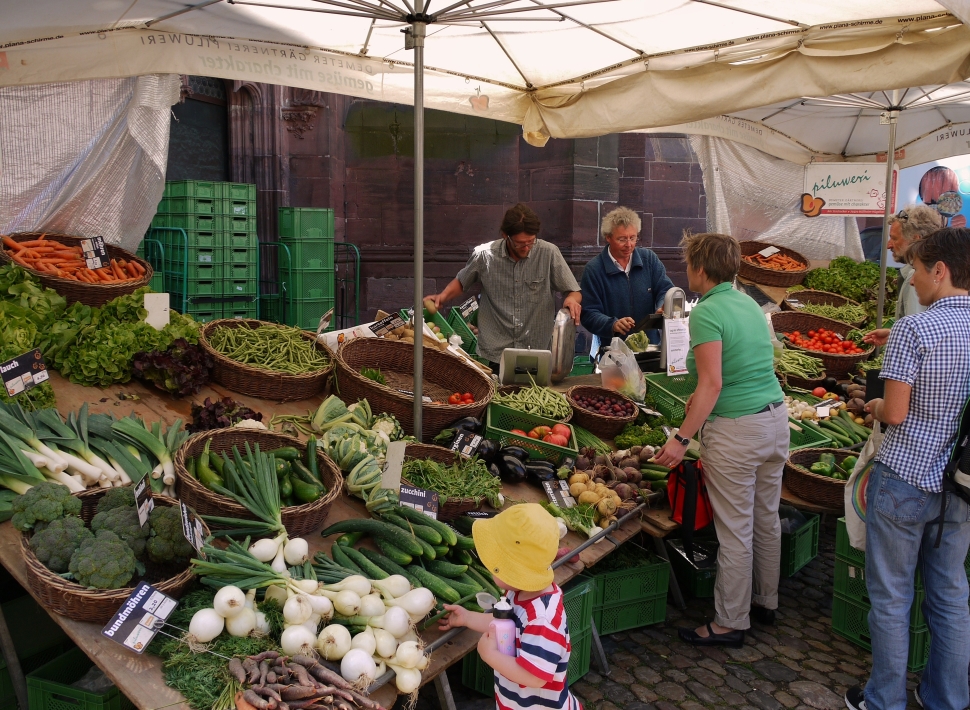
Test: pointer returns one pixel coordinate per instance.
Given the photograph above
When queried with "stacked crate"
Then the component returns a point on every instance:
(214, 268)
(633, 597)
(308, 235)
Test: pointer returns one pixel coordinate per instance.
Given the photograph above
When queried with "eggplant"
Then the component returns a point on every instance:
(537, 473)
(859, 380)
(516, 452)
(488, 450)
(830, 383)
(494, 470)
(541, 463)
(511, 469)
(468, 424)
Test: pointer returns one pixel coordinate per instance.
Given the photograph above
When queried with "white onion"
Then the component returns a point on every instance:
(408, 655)
(407, 680)
(310, 586)
(356, 583)
(346, 603)
(279, 562)
(206, 624)
(394, 586)
(386, 643)
(371, 605)
(365, 641)
(395, 621)
(411, 635)
(312, 624)
(264, 550)
(333, 642)
(262, 627)
(321, 606)
(381, 666)
(251, 599)
(418, 602)
(229, 601)
(297, 640)
(424, 662)
(297, 609)
(357, 667)
(277, 594)
(242, 624)
(296, 551)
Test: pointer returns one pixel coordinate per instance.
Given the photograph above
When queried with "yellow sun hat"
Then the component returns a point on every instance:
(519, 546)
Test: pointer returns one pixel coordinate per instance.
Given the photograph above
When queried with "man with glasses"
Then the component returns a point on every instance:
(623, 284)
(520, 274)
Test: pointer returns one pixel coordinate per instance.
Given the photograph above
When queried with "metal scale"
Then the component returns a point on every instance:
(675, 306)
(523, 366)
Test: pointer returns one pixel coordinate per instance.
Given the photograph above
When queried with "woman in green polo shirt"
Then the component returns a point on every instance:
(738, 414)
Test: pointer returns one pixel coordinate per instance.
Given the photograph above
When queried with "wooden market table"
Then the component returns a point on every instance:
(139, 677)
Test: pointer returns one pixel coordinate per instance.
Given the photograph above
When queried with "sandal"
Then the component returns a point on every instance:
(731, 639)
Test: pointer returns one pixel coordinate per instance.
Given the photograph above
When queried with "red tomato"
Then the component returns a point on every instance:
(562, 430)
(468, 395)
(818, 391)
(555, 439)
(454, 399)
(518, 432)
(539, 432)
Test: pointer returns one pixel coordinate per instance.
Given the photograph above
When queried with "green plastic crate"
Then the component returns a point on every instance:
(306, 223)
(235, 272)
(644, 581)
(698, 583)
(203, 288)
(579, 656)
(204, 312)
(850, 619)
(240, 240)
(622, 616)
(241, 255)
(305, 312)
(191, 188)
(239, 287)
(844, 550)
(477, 675)
(236, 309)
(49, 687)
(800, 547)
(204, 250)
(582, 365)
(236, 208)
(577, 598)
(188, 205)
(500, 420)
(850, 583)
(312, 283)
(37, 639)
(671, 393)
(801, 437)
(235, 190)
(188, 222)
(806, 397)
(469, 341)
(437, 319)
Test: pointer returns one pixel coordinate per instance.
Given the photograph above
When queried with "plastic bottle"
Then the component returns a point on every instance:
(503, 626)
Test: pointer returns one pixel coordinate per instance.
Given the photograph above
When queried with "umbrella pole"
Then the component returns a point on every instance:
(892, 115)
(418, 32)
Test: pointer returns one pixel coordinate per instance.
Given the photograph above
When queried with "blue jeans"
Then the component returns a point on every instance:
(899, 535)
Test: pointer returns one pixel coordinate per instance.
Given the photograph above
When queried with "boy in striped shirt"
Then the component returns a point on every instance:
(518, 547)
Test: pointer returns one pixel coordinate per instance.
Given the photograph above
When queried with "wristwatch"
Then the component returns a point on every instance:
(682, 440)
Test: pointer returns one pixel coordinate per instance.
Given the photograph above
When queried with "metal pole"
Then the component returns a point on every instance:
(892, 116)
(418, 32)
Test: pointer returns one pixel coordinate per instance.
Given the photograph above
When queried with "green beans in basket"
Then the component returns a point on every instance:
(541, 401)
(279, 348)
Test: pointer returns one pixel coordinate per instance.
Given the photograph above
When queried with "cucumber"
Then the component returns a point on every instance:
(370, 570)
(652, 475)
(389, 565)
(288, 453)
(445, 569)
(441, 590)
(461, 557)
(395, 554)
(470, 581)
(464, 543)
(463, 524)
(462, 588)
(426, 533)
(448, 535)
(483, 576)
(349, 540)
(377, 528)
(339, 555)
(428, 552)
(440, 551)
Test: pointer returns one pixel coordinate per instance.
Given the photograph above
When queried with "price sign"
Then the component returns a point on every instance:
(420, 499)
(23, 372)
(386, 325)
(466, 443)
(466, 308)
(140, 618)
(95, 252)
(480, 514)
(558, 493)
(768, 251)
(143, 499)
(192, 529)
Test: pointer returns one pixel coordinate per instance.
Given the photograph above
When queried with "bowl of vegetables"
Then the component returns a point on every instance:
(601, 411)
(462, 484)
(783, 268)
(819, 475)
(838, 354)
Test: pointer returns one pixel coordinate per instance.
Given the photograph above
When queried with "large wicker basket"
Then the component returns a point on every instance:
(603, 426)
(444, 374)
(258, 381)
(805, 383)
(511, 389)
(448, 508)
(78, 291)
(770, 277)
(835, 365)
(298, 519)
(820, 490)
(82, 603)
(819, 298)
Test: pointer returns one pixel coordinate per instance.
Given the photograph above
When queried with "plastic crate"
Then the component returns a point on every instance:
(188, 222)
(578, 597)
(240, 309)
(236, 272)
(469, 341)
(801, 437)
(621, 616)
(850, 619)
(843, 549)
(203, 288)
(49, 687)
(477, 675)
(437, 319)
(499, 421)
(234, 207)
(582, 365)
(188, 205)
(204, 248)
(671, 393)
(800, 547)
(240, 240)
(312, 283)
(644, 581)
(806, 397)
(191, 188)
(579, 656)
(203, 312)
(241, 255)
(306, 223)
(239, 287)
(305, 312)
(235, 190)
(850, 583)
(310, 253)
(698, 583)
(37, 639)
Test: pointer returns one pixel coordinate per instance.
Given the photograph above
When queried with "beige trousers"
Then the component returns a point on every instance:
(743, 463)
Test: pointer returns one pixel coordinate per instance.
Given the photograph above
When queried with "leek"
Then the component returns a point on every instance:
(135, 433)
(78, 423)
(16, 428)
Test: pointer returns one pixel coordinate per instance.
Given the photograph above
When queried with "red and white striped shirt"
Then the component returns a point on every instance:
(542, 648)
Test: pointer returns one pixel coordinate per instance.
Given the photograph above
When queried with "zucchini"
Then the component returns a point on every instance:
(370, 570)
(461, 557)
(445, 569)
(288, 453)
(377, 528)
(651, 475)
(339, 555)
(441, 590)
(448, 535)
(483, 576)
(426, 533)
(311, 458)
(395, 554)
(389, 565)
(190, 466)
(464, 543)
(303, 473)
(349, 540)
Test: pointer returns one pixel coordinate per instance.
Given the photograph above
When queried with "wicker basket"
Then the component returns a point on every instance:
(511, 389)
(770, 277)
(604, 427)
(258, 381)
(835, 365)
(298, 519)
(448, 508)
(805, 384)
(812, 487)
(820, 298)
(444, 374)
(81, 603)
(78, 291)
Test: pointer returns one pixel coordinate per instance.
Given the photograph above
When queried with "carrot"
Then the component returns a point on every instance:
(141, 269)
(117, 270)
(132, 271)
(16, 246)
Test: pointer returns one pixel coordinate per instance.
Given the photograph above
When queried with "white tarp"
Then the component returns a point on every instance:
(86, 157)
(754, 197)
(599, 68)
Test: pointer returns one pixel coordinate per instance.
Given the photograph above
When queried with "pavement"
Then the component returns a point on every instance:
(797, 664)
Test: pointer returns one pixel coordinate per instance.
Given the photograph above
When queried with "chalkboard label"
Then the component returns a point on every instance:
(468, 307)
(386, 325)
(421, 500)
(192, 529)
(139, 619)
(95, 252)
(466, 443)
(23, 372)
(143, 499)
(558, 493)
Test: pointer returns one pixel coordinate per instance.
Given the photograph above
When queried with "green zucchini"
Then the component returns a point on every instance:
(370, 570)
(426, 533)
(339, 555)
(303, 473)
(216, 463)
(389, 565)
(463, 524)
(190, 466)
(350, 539)
(289, 453)
(483, 576)
(445, 569)
(652, 475)
(441, 590)
(395, 554)
(448, 535)
(312, 462)
(377, 528)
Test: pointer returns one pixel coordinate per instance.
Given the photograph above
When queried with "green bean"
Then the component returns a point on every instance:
(793, 362)
(468, 479)
(848, 313)
(271, 347)
(541, 401)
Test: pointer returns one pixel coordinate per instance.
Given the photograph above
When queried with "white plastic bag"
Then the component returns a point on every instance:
(855, 490)
(621, 373)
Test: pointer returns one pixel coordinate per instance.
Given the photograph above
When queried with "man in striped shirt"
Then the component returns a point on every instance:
(518, 547)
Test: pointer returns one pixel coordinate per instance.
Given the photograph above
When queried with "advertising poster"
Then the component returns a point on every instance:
(943, 185)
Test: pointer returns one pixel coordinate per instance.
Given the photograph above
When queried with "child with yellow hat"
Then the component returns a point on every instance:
(518, 546)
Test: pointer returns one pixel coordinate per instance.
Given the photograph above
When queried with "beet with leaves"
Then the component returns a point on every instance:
(221, 414)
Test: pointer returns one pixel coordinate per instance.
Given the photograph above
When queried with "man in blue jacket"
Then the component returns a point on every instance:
(623, 284)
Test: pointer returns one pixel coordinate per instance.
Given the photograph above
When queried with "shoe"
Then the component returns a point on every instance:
(763, 616)
(919, 700)
(855, 698)
(731, 639)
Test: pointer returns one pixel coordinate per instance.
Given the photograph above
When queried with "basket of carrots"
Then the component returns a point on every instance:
(784, 268)
(58, 262)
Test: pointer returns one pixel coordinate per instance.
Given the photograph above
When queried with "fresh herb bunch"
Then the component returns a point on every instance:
(372, 374)
(180, 370)
(468, 479)
(221, 414)
(634, 434)
(857, 281)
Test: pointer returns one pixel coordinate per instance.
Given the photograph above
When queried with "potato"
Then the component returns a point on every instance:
(577, 489)
(429, 306)
(408, 339)
(390, 336)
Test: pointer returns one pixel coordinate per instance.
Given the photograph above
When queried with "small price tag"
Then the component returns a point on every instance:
(95, 252)
(23, 372)
(768, 251)
(466, 443)
(386, 325)
(794, 303)
(421, 500)
(466, 308)
(192, 529)
(480, 514)
(205, 258)
(139, 619)
(822, 410)
(558, 493)
(143, 499)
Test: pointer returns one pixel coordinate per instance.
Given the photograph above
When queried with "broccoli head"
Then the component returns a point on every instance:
(167, 541)
(55, 544)
(103, 562)
(117, 498)
(123, 522)
(43, 503)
